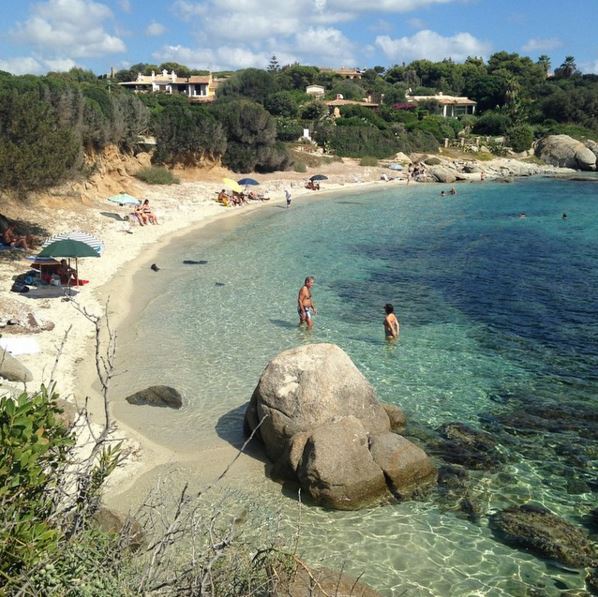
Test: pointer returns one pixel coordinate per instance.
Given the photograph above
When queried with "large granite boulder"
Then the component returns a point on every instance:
(442, 174)
(12, 369)
(539, 530)
(322, 426)
(163, 396)
(565, 152)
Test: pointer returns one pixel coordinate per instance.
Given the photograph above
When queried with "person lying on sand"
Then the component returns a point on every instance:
(18, 241)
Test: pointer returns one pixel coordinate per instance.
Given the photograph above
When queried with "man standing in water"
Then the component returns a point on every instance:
(287, 195)
(391, 323)
(305, 303)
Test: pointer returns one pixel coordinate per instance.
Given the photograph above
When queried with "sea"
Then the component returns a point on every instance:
(495, 289)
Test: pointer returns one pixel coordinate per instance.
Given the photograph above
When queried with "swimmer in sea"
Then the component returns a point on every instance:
(391, 323)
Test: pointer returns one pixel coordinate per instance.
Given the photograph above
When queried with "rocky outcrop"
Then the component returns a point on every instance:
(322, 426)
(12, 369)
(442, 174)
(539, 530)
(564, 151)
(157, 396)
(127, 527)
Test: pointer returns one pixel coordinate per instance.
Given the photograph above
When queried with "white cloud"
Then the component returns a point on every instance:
(220, 58)
(539, 44)
(432, 46)
(69, 27)
(155, 29)
(22, 65)
(28, 65)
(325, 45)
(243, 27)
(125, 5)
(384, 5)
(589, 68)
(188, 10)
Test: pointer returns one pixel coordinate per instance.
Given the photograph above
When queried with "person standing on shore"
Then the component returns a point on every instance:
(287, 195)
(391, 323)
(305, 304)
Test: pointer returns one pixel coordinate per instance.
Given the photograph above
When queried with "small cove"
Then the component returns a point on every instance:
(496, 311)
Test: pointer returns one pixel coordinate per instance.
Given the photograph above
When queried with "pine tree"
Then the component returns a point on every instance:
(274, 66)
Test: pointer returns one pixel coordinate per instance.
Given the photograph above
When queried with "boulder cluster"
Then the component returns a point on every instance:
(322, 426)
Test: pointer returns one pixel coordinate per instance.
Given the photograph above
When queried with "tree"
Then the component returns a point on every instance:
(281, 103)
(273, 66)
(567, 70)
(544, 62)
(251, 83)
(180, 69)
(520, 137)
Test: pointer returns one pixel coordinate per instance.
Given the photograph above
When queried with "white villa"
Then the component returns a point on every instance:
(200, 88)
(315, 90)
(451, 106)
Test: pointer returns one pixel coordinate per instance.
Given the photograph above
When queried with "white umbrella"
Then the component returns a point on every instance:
(84, 237)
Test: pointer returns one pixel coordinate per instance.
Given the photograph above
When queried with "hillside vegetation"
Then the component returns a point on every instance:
(48, 123)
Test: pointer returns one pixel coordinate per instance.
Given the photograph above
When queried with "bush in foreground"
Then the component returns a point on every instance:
(157, 175)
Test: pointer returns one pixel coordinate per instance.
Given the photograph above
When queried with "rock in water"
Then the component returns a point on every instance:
(541, 531)
(193, 262)
(323, 427)
(154, 267)
(12, 369)
(157, 396)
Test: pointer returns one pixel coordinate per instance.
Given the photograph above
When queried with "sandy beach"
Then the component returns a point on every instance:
(181, 209)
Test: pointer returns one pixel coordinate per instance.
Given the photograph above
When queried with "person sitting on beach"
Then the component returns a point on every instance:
(312, 186)
(223, 198)
(149, 214)
(140, 215)
(391, 323)
(68, 276)
(17, 241)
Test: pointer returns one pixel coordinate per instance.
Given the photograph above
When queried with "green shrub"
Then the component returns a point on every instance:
(492, 123)
(520, 137)
(157, 175)
(288, 129)
(299, 167)
(368, 161)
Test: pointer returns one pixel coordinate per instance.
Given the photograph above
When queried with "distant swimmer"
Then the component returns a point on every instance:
(453, 191)
(287, 195)
(442, 193)
(564, 216)
(391, 323)
(305, 304)
(522, 215)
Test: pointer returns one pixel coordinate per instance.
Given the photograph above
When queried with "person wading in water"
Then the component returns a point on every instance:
(305, 304)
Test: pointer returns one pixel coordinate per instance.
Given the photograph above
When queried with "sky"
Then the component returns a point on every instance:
(37, 36)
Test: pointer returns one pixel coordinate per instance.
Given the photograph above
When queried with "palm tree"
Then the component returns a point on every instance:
(544, 62)
(568, 69)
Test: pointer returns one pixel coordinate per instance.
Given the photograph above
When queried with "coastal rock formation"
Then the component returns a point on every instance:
(464, 445)
(564, 151)
(322, 426)
(157, 396)
(539, 530)
(12, 369)
(442, 174)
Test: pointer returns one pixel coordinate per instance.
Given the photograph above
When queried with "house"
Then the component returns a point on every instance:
(198, 88)
(344, 72)
(450, 106)
(316, 91)
(335, 105)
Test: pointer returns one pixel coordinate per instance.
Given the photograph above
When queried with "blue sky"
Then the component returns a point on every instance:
(41, 35)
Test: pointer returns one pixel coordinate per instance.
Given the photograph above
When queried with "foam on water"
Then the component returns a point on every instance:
(492, 307)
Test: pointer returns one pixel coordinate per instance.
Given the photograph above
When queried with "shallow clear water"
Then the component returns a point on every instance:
(497, 312)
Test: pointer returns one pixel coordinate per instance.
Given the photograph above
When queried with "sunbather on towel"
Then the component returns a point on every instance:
(18, 241)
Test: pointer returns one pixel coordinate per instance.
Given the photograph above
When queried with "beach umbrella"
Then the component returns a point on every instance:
(77, 235)
(124, 199)
(231, 184)
(395, 166)
(247, 181)
(67, 247)
(318, 177)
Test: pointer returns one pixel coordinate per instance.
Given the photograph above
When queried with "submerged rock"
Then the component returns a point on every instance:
(193, 262)
(539, 530)
(323, 427)
(464, 445)
(163, 396)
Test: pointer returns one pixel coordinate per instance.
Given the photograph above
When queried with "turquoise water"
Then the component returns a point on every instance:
(498, 313)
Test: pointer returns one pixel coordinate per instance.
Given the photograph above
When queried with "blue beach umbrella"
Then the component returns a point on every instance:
(247, 181)
(318, 177)
(395, 166)
(124, 199)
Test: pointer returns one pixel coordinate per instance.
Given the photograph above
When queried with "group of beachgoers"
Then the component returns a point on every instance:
(144, 215)
(12, 239)
(306, 309)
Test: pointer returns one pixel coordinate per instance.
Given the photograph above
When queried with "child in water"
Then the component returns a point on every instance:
(391, 323)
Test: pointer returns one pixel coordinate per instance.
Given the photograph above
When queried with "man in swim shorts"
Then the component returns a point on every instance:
(305, 304)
